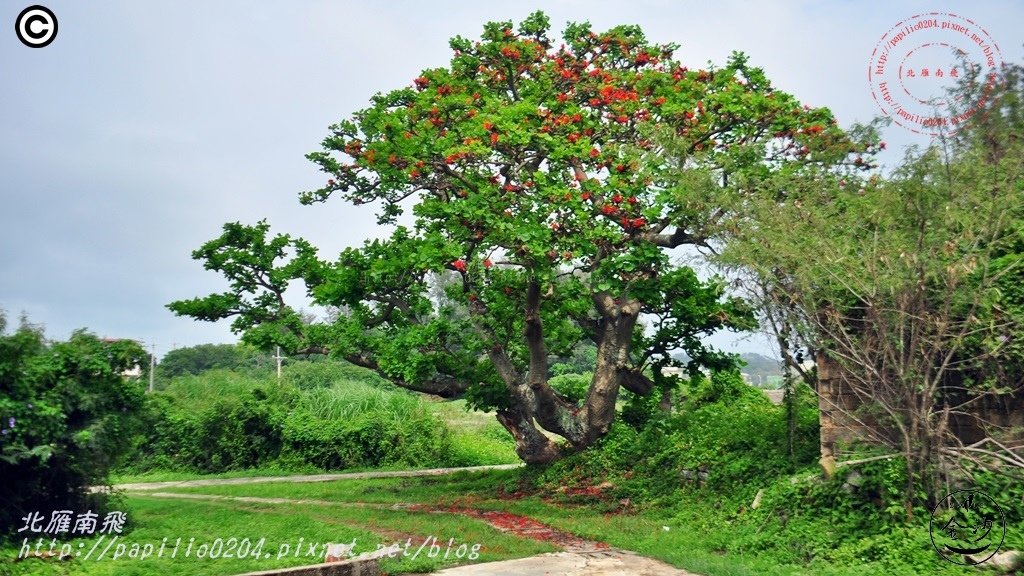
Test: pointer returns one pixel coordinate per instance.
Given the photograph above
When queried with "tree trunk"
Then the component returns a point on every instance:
(534, 403)
(532, 446)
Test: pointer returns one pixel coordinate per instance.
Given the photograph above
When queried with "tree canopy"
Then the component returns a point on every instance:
(553, 180)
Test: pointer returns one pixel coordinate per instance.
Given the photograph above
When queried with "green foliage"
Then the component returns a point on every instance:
(537, 177)
(221, 421)
(572, 387)
(908, 284)
(726, 429)
(325, 373)
(721, 387)
(214, 422)
(639, 410)
(353, 425)
(198, 359)
(67, 416)
(698, 470)
(581, 361)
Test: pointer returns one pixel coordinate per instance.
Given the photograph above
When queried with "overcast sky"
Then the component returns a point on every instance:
(128, 141)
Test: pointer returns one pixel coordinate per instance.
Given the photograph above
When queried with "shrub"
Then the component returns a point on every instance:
(239, 426)
(573, 387)
(357, 425)
(726, 430)
(324, 373)
(66, 415)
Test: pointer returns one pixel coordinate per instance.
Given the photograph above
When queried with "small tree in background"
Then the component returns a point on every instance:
(540, 176)
(908, 289)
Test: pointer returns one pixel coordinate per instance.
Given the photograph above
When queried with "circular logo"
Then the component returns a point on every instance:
(919, 60)
(36, 26)
(967, 527)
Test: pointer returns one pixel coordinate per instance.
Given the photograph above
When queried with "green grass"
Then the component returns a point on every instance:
(446, 489)
(477, 437)
(278, 525)
(177, 476)
(193, 393)
(696, 539)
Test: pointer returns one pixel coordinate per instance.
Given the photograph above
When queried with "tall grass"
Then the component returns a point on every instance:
(349, 398)
(195, 392)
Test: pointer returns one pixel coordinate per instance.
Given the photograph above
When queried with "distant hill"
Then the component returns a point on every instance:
(756, 365)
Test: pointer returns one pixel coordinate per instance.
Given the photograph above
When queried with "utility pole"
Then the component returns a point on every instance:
(152, 366)
(279, 358)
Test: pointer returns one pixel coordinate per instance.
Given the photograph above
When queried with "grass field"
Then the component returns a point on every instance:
(279, 535)
(684, 536)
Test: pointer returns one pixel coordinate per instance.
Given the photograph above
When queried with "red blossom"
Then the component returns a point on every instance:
(421, 82)
(459, 265)
(487, 263)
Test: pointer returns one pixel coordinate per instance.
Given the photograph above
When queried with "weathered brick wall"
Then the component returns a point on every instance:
(843, 419)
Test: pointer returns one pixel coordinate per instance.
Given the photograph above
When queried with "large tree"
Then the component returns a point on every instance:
(553, 183)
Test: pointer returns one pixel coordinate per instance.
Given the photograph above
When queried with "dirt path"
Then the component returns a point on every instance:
(134, 487)
(580, 557)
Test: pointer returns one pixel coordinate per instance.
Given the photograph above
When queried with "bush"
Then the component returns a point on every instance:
(324, 373)
(221, 421)
(573, 387)
(66, 415)
(238, 426)
(356, 425)
(728, 437)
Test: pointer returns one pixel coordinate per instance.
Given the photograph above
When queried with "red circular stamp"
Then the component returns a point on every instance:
(916, 63)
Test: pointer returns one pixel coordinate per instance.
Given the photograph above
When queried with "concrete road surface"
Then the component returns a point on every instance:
(603, 563)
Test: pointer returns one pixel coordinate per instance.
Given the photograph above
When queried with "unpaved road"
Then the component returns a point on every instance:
(580, 558)
(135, 487)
